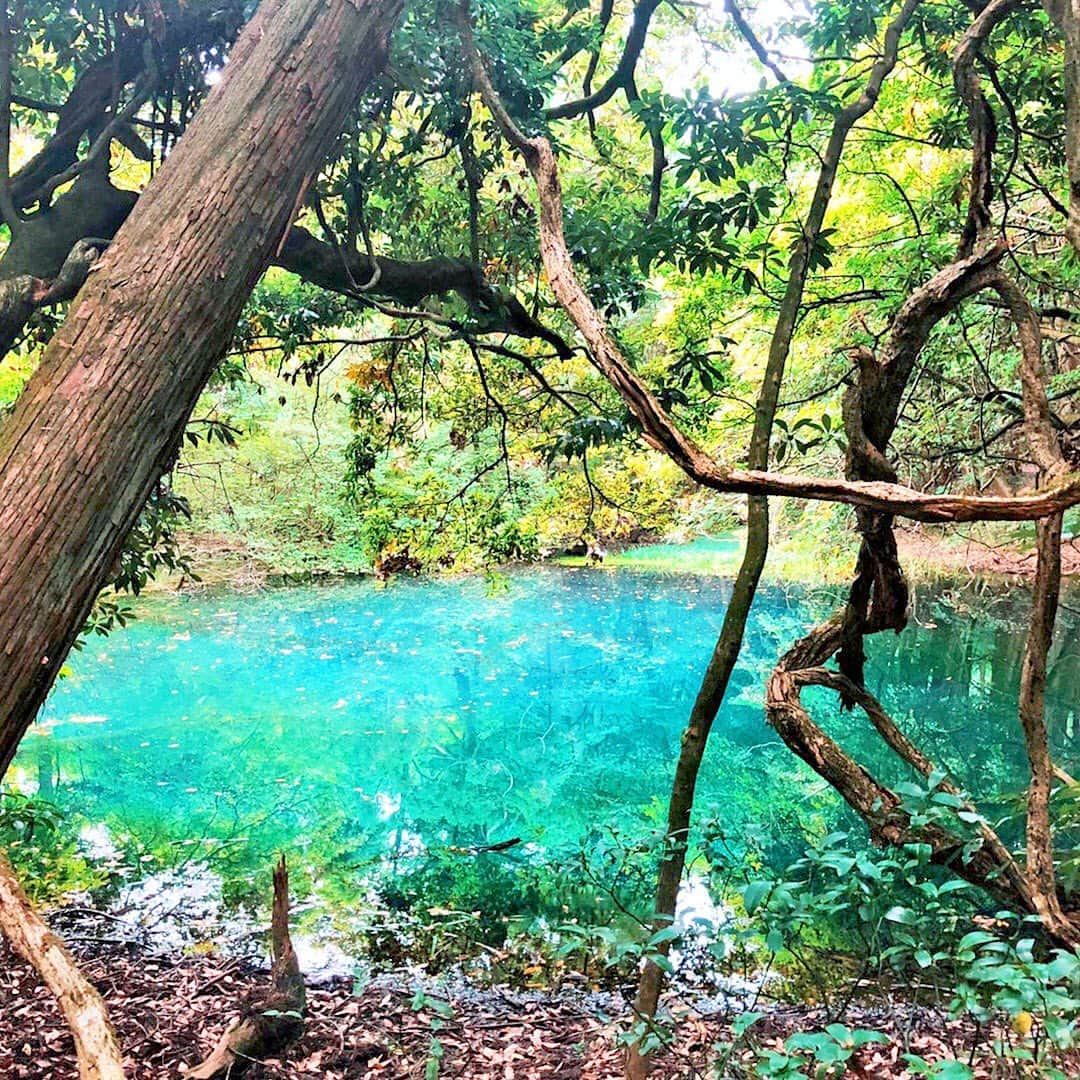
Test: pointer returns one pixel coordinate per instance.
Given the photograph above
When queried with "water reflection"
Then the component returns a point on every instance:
(359, 724)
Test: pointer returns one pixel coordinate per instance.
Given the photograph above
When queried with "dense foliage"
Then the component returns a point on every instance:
(367, 418)
(464, 449)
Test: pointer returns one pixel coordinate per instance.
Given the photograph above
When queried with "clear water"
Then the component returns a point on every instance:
(349, 721)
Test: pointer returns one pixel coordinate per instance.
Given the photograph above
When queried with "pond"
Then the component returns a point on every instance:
(361, 726)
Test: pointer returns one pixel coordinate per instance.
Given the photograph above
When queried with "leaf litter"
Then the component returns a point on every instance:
(168, 1011)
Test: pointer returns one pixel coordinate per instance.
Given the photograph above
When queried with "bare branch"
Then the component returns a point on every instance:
(751, 39)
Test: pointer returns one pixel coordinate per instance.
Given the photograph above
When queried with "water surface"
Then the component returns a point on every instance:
(354, 723)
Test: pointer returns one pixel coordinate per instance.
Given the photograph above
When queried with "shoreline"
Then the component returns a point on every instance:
(223, 562)
(976, 557)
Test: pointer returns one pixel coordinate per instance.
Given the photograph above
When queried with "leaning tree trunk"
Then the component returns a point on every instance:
(96, 1049)
(103, 415)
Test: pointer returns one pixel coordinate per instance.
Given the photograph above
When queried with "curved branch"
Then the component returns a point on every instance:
(624, 70)
(981, 122)
(410, 281)
(990, 866)
(607, 9)
(908, 752)
(660, 431)
(751, 39)
(887, 498)
(84, 108)
(882, 382)
(1038, 419)
(22, 295)
(872, 407)
(99, 148)
(872, 404)
(879, 576)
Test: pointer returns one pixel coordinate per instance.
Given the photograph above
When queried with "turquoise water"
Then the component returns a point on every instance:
(351, 723)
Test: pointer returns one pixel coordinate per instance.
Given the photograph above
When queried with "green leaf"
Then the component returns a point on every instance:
(744, 1021)
(863, 1037)
(974, 939)
(904, 916)
(434, 1061)
(667, 933)
(754, 894)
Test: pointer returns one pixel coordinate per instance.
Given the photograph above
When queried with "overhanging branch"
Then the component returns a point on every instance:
(410, 281)
(658, 428)
(621, 77)
(35, 265)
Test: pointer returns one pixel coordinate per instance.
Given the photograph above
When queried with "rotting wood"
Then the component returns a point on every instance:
(268, 1026)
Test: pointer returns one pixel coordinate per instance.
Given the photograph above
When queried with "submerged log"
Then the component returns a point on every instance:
(268, 1025)
(96, 1047)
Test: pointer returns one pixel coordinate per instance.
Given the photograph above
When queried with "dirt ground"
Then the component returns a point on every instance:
(169, 1013)
(967, 554)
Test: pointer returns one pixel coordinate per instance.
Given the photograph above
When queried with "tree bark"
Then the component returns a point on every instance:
(1032, 701)
(276, 1020)
(104, 414)
(96, 1048)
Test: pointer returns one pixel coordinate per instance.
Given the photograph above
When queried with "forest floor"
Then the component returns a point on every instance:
(169, 1013)
(931, 553)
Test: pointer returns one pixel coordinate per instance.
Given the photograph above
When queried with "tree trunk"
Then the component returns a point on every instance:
(96, 1048)
(695, 738)
(275, 1020)
(104, 414)
(725, 655)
